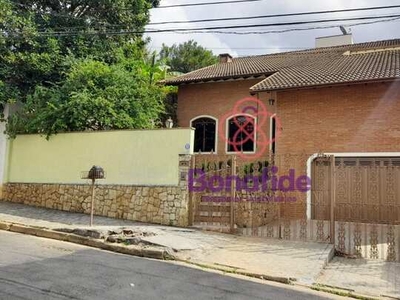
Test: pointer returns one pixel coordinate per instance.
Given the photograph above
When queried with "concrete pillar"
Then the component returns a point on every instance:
(184, 165)
(184, 168)
(3, 150)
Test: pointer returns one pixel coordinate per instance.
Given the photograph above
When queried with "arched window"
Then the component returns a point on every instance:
(205, 134)
(241, 134)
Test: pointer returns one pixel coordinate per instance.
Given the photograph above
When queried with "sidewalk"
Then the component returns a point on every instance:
(364, 276)
(302, 261)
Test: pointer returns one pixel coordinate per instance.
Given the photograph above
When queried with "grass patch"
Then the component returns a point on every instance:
(332, 287)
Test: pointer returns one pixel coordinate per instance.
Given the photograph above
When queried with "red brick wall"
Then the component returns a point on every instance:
(214, 99)
(358, 118)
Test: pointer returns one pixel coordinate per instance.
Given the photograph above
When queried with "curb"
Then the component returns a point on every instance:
(162, 254)
(150, 252)
(285, 280)
(348, 292)
(344, 292)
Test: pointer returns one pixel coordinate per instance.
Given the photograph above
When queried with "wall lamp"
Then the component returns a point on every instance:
(169, 123)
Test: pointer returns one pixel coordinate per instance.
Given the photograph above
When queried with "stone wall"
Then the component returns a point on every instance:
(159, 204)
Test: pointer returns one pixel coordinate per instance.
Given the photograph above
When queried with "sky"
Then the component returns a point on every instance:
(245, 45)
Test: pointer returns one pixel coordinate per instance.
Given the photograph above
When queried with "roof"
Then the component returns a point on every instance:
(378, 60)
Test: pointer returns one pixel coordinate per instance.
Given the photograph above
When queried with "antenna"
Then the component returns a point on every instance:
(344, 30)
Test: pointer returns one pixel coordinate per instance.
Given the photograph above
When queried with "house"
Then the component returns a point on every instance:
(339, 100)
(333, 99)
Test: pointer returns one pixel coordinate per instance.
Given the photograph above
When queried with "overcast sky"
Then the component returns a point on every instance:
(242, 45)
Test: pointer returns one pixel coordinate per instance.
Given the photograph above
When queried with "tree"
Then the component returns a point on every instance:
(187, 57)
(12, 23)
(75, 67)
(37, 37)
(94, 96)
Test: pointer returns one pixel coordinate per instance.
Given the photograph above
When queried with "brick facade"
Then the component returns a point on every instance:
(216, 100)
(347, 118)
(351, 118)
(355, 118)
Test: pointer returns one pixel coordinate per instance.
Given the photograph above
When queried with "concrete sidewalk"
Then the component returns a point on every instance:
(276, 258)
(369, 277)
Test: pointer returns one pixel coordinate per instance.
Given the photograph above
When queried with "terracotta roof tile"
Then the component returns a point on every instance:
(321, 66)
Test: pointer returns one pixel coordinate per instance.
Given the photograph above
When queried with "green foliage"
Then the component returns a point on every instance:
(171, 105)
(249, 169)
(37, 37)
(83, 18)
(94, 96)
(12, 22)
(187, 57)
(64, 61)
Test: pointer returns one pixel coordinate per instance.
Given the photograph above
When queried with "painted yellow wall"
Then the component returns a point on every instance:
(134, 157)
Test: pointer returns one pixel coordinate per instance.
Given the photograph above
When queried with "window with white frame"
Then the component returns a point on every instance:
(241, 134)
(205, 134)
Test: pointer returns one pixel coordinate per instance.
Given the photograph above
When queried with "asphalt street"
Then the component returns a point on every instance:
(36, 268)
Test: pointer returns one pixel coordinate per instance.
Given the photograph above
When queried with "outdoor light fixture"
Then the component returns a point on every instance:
(169, 123)
(271, 101)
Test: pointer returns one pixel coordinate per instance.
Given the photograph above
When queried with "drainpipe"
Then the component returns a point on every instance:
(3, 150)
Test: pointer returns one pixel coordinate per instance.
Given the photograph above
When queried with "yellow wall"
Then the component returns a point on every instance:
(133, 157)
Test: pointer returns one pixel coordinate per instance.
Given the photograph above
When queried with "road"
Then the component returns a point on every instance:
(36, 268)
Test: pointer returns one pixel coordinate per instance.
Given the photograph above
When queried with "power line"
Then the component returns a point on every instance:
(151, 48)
(226, 27)
(105, 25)
(245, 48)
(279, 24)
(287, 30)
(212, 29)
(206, 3)
(279, 15)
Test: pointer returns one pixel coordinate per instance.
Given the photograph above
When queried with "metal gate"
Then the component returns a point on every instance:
(367, 207)
(352, 202)
(252, 202)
